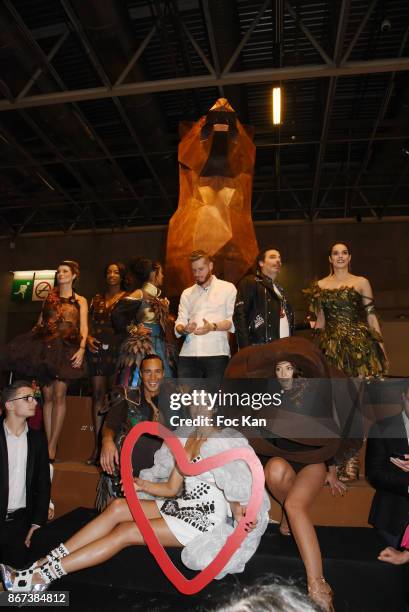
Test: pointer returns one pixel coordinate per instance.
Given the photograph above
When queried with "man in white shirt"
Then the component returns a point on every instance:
(24, 474)
(205, 320)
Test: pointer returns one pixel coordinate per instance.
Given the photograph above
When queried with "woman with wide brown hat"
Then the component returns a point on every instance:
(301, 440)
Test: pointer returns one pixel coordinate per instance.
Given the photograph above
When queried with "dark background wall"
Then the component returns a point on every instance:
(379, 251)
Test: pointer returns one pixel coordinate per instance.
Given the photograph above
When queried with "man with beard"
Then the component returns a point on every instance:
(204, 319)
(262, 312)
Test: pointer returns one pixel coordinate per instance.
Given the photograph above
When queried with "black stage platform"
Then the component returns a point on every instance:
(133, 580)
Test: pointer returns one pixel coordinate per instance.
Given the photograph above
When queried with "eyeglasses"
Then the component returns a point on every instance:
(27, 398)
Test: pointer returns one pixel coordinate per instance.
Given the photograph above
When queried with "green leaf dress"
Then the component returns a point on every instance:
(347, 340)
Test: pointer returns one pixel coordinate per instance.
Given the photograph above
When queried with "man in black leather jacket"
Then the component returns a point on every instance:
(262, 313)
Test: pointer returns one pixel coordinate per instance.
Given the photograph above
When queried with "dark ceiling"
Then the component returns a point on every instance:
(92, 93)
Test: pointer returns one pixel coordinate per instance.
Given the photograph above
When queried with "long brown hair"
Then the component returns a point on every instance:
(331, 267)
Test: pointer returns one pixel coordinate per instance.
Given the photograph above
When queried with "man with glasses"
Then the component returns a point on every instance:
(24, 474)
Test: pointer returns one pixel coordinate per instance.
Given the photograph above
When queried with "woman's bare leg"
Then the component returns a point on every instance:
(308, 483)
(58, 415)
(48, 395)
(123, 535)
(115, 514)
(280, 477)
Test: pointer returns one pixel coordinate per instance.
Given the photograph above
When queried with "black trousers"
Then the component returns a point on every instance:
(211, 368)
(390, 538)
(13, 551)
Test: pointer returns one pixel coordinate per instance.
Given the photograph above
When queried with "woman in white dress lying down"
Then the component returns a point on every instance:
(196, 513)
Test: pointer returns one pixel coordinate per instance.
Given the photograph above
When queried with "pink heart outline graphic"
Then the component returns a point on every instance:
(233, 542)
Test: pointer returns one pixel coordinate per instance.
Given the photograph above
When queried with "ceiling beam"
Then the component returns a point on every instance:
(332, 86)
(380, 116)
(194, 44)
(99, 68)
(40, 70)
(41, 204)
(308, 34)
(259, 145)
(41, 173)
(213, 46)
(399, 184)
(136, 55)
(359, 31)
(47, 67)
(262, 75)
(245, 38)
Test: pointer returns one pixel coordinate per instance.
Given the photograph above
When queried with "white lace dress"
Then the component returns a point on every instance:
(234, 481)
(200, 508)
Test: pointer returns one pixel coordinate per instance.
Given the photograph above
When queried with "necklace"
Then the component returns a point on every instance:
(109, 302)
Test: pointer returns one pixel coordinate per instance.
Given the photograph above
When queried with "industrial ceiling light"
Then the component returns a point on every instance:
(276, 105)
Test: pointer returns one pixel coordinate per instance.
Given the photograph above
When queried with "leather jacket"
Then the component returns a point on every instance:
(257, 311)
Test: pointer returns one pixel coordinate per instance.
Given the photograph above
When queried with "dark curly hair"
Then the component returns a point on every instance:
(122, 271)
(140, 269)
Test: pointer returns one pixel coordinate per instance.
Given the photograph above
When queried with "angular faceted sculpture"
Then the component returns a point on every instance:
(216, 164)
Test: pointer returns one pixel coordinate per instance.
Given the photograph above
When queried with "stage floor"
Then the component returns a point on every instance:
(132, 580)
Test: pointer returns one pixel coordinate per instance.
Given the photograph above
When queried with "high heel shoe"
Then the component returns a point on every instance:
(320, 592)
(21, 581)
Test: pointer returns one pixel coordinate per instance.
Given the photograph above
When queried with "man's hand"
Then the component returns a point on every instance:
(32, 529)
(204, 329)
(238, 512)
(109, 458)
(402, 464)
(186, 329)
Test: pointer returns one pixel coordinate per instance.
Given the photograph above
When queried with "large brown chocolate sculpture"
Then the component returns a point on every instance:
(216, 162)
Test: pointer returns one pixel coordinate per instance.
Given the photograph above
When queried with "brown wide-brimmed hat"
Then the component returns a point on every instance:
(260, 361)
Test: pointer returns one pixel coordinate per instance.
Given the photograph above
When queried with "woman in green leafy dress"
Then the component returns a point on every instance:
(347, 327)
